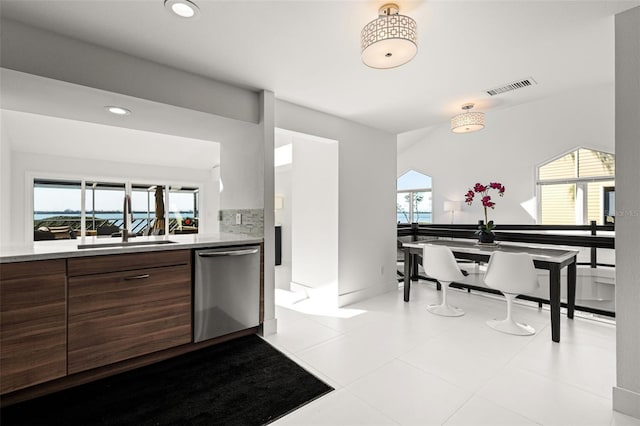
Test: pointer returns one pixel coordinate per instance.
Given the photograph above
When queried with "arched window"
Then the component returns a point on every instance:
(577, 188)
(414, 198)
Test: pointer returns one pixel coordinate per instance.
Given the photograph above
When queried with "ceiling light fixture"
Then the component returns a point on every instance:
(390, 40)
(182, 8)
(117, 110)
(468, 121)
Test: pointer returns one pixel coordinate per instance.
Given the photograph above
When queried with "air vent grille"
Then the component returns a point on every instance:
(512, 86)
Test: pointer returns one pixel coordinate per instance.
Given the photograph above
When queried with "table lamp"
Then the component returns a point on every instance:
(452, 206)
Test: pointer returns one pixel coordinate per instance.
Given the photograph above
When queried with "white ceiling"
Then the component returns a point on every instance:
(40, 134)
(308, 52)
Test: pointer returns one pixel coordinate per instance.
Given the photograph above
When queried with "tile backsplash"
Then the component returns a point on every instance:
(252, 221)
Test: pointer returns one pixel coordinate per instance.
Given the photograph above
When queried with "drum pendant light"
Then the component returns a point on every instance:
(468, 121)
(390, 40)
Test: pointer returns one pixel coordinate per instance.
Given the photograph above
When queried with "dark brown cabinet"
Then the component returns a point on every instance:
(70, 321)
(124, 306)
(33, 332)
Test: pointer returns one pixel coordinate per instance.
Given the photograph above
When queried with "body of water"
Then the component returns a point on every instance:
(424, 217)
(114, 215)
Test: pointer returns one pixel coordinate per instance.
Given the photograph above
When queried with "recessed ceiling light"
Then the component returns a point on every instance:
(118, 110)
(182, 8)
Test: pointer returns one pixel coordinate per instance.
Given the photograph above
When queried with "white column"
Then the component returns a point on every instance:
(626, 393)
(267, 123)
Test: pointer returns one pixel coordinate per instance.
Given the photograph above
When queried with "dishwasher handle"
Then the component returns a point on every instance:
(228, 253)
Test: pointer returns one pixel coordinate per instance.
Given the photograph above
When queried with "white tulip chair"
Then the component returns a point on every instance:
(512, 274)
(438, 262)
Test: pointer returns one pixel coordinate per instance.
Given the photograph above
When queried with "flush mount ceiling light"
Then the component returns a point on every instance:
(182, 8)
(389, 41)
(468, 121)
(117, 110)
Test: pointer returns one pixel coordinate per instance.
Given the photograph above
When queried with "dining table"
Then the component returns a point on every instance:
(550, 259)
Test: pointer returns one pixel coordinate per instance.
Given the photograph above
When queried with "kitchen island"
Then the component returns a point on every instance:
(77, 310)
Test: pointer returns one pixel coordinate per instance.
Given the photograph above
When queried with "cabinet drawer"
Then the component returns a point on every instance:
(121, 315)
(33, 333)
(126, 262)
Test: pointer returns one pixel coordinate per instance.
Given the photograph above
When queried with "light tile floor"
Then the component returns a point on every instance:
(394, 363)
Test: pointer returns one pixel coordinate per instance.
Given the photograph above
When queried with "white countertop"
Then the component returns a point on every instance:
(62, 249)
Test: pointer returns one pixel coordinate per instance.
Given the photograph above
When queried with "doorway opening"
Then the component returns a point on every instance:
(306, 216)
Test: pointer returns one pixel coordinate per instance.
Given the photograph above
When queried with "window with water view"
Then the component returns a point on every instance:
(58, 213)
(413, 202)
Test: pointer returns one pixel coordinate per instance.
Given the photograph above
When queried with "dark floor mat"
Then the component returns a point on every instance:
(241, 382)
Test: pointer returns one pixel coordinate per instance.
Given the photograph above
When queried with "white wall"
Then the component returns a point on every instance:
(626, 393)
(507, 150)
(38, 165)
(366, 185)
(314, 180)
(5, 183)
(43, 53)
(242, 170)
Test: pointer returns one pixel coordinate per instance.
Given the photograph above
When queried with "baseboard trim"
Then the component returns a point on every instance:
(365, 293)
(269, 327)
(626, 402)
(299, 288)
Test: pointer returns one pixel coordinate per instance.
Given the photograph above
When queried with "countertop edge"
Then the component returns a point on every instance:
(178, 245)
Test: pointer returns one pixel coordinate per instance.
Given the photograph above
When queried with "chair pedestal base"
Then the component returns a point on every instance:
(511, 327)
(445, 310)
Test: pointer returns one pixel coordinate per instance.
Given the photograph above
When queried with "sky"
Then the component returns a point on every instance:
(414, 180)
(60, 199)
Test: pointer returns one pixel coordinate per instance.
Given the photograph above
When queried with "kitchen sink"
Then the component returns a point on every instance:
(124, 244)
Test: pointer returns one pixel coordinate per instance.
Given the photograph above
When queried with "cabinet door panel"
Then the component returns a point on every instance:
(127, 262)
(120, 315)
(33, 338)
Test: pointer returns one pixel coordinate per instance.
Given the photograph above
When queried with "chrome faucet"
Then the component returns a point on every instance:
(126, 210)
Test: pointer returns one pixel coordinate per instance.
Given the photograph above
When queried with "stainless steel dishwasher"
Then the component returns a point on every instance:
(226, 291)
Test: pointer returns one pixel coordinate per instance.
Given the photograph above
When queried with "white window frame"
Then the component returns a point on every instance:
(581, 212)
(32, 176)
(411, 191)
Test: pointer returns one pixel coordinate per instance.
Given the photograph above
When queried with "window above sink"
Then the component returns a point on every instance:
(58, 211)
